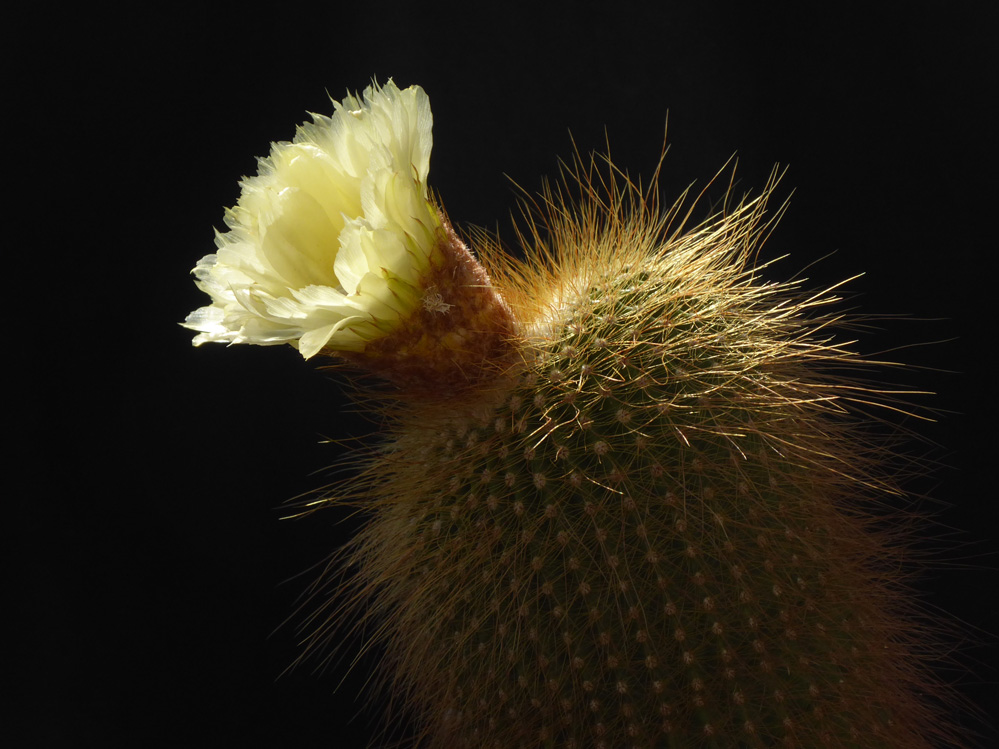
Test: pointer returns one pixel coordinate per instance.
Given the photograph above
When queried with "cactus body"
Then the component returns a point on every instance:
(654, 531)
(624, 499)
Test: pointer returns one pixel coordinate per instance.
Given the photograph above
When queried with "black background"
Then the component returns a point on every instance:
(152, 561)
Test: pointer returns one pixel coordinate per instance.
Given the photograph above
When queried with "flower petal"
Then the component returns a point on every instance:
(328, 242)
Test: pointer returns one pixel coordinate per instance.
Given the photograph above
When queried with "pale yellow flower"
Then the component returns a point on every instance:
(327, 243)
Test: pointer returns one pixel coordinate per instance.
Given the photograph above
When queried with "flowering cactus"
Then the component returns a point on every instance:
(623, 497)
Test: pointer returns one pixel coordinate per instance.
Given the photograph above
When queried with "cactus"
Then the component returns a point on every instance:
(626, 496)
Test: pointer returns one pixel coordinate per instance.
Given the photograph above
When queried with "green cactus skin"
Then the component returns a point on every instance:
(654, 531)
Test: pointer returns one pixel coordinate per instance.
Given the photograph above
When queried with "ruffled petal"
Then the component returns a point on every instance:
(329, 241)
